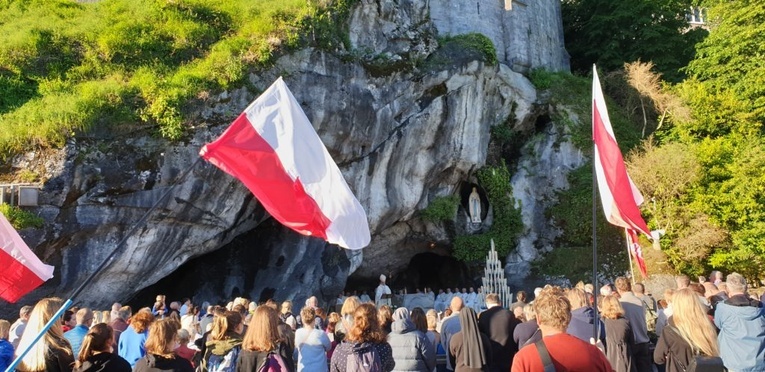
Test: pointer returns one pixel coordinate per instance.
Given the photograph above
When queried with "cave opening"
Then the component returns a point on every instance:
(427, 269)
(218, 276)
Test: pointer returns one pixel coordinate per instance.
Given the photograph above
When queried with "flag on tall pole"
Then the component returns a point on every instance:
(20, 269)
(274, 150)
(618, 194)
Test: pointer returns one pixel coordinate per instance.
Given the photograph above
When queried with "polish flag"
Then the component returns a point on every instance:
(274, 150)
(20, 269)
(618, 194)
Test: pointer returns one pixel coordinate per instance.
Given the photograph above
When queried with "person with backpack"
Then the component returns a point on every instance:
(262, 350)
(225, 343)
(619, 337)
(286, 315)
(365, 348)
(688, 333)
(651, 310)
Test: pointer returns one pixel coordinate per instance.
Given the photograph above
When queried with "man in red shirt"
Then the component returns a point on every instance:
(566, 352)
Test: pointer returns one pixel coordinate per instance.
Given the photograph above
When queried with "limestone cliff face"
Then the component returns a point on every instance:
(401, 138)
(526, 34)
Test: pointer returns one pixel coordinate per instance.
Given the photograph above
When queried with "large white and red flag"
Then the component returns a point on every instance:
(20, 269)
(618, 194)
(274, 150)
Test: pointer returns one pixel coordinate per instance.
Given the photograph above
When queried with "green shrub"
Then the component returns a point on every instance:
(19, 218)
(442, 208)
(475, 41)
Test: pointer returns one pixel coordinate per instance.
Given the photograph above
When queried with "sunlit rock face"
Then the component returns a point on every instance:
(401, 137)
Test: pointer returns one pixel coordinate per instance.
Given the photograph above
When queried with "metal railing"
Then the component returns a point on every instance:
(20, 194)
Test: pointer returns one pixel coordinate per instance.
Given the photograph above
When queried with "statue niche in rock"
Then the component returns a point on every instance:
(474, 203)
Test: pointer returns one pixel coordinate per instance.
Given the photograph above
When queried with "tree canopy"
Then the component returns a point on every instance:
(609, 33)
(699, 165)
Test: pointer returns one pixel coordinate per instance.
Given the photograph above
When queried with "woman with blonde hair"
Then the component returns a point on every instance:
(432, 334)
(346, 313)
(159, 350)
(364, 336)
(261, 348)
(106, 316)
(286, 315)
(688, 332)
(132, 340)
(224, 344)
(619, 338)
(385, 317)
(96, 352)
(52, 353)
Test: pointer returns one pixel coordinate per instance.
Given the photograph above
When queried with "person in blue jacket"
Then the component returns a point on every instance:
(131, 346)
(6, 348)
(741, 321)
(84, 319)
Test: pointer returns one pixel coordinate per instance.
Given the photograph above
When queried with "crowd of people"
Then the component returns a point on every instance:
(715, 323)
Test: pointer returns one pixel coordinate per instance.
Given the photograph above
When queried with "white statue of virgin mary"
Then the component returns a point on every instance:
(474, 203)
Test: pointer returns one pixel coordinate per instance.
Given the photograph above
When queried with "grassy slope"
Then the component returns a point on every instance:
(68, 67)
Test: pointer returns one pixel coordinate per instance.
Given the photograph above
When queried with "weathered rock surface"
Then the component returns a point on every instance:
(541, 173)
(400, 139)
(526, 34)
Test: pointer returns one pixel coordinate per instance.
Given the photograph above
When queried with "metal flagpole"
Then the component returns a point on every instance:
(629, 254)
(57, 316)
(594, 249)
(594, 231)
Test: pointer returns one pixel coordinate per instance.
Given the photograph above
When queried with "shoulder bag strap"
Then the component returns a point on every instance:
(678, 364)
(545, 356)
(529, 341)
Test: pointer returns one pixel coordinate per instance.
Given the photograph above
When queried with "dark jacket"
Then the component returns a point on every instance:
(156, 363)
(104, 362)
(118, 326)
(499, 324)
(252, 360)
(620, 343)
(412, 351)
(672, 350)
(457, 356)
(527, 333)
(582, 320)
(58, 360)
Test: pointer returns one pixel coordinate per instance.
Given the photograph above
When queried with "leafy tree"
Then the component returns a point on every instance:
(731, 62)
(609, 33)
